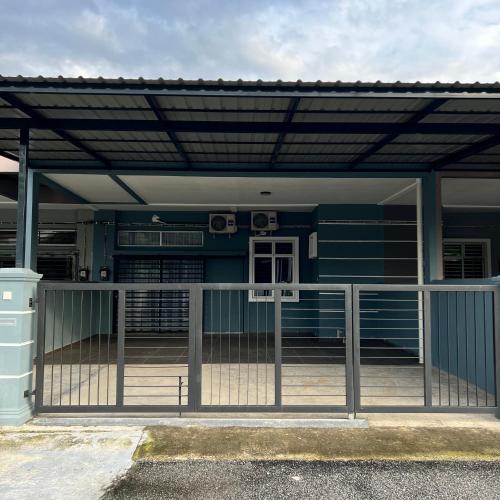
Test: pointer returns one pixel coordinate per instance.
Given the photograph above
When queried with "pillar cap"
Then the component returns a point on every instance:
(19, 274)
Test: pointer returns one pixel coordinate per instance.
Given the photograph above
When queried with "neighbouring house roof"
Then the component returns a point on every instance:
(122, 123)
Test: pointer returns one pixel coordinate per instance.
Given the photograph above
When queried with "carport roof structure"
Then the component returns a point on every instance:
(131, 124)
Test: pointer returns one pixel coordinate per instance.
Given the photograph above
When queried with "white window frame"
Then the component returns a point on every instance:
(485, 241)
(295, 256)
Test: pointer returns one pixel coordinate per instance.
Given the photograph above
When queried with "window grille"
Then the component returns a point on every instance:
(465, 259)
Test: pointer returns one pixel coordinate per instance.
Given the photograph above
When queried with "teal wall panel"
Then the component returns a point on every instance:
(463, 340)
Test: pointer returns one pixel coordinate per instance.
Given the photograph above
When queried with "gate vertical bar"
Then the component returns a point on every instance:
(427, 348)
(193, 361)
(277, 349)
(356, 345)
(120, 354)
(496, 295)
(40, 349)
(349, 360)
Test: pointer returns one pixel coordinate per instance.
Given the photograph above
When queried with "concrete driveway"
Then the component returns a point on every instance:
(62, 463)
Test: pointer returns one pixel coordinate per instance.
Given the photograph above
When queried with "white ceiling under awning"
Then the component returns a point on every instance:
(246, 192)
(464, 192)
(209, 192)
(93, 188)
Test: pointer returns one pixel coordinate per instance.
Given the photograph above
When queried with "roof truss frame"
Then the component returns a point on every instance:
(172, 136)
(436, 94)
(415, 118)
(27, 110)
(251, 127)
(290, 113)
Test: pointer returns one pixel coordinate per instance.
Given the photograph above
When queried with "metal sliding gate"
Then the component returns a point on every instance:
(274, 348)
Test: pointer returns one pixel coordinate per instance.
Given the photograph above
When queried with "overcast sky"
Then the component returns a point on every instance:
(350, 40)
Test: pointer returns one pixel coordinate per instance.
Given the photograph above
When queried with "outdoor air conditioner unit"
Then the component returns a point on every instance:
(264, 221)
(222, 224)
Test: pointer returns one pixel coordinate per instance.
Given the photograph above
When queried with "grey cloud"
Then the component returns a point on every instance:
(443, 40)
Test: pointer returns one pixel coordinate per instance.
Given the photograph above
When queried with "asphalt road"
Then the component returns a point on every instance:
(202, 479)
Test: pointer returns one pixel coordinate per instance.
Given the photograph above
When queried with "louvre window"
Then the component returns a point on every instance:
(53, 268)
(8, 238)
(65, 237)
(160, 238)
(139, 238)
(465, 259)
(56, 237)
(182, 239)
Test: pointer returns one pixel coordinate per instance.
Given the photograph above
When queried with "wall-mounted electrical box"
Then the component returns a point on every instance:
(313, 245)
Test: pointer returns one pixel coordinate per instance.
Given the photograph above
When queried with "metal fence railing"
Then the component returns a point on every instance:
(426, 347)
(248, 347)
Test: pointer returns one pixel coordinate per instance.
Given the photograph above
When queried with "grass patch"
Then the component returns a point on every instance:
(389, 443)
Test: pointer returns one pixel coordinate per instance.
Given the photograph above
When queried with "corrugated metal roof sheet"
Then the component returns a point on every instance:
(377, 86)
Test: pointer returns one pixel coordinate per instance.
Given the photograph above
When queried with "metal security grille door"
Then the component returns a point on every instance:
(158, 311)
(156, 331)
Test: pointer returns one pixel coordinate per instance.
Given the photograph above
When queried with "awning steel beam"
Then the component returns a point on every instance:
(128, 189)
(160, 116)
(292, 108)
(9, 156)
(462, 154)
(65, 191)
(27, 110)
(252, 127)
(416, 118)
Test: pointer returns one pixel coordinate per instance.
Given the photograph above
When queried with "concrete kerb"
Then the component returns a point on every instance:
(280, 423)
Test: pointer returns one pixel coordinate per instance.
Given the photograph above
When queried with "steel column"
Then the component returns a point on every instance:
(432, 215)
(27, 208)
(420, 269)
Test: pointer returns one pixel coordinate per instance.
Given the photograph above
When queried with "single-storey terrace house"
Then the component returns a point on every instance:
(248, 246)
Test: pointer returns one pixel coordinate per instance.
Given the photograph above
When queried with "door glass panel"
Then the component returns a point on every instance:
(284, 273)
(263, 273)
(263, 247)
(263, 270)
(284, 248)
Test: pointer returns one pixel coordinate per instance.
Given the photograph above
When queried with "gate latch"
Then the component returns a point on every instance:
(28, 393)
